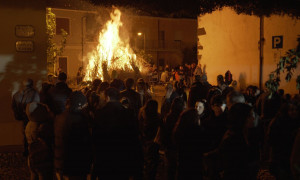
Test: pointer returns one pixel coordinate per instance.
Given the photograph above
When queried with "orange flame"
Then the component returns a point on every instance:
(112, 52)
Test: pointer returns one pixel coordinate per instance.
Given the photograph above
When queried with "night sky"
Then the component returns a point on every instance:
(190, 8)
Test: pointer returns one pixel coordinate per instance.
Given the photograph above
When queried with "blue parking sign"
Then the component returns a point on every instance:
(277, 42)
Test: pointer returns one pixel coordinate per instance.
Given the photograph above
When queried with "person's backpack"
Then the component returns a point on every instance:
(19, 106)
(40, 155)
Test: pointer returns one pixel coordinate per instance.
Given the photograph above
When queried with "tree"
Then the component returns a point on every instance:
(52, 49)
(286, 63)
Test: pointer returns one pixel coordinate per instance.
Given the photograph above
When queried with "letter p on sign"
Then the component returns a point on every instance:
(277, 42)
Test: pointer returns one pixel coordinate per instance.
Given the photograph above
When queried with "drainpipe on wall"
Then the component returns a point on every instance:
(82, 39)
(157, 58)
(261, 51)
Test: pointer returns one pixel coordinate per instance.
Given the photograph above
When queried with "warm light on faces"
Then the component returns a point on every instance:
(199, 106)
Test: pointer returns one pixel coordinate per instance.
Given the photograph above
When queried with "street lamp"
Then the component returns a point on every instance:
(140, 34)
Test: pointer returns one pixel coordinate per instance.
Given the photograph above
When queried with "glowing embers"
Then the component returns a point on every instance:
(112, 52)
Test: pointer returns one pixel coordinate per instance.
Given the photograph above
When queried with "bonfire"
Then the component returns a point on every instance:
(112, 53)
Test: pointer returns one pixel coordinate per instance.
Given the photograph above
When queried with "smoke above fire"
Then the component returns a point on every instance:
(112, 52)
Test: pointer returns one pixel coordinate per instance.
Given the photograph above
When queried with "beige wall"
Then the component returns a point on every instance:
(17, 66)
(231, 43)
(289, 28)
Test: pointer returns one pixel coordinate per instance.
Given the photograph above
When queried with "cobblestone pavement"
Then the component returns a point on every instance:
(13, 166)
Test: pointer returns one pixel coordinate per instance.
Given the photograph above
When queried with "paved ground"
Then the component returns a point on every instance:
(13, 166)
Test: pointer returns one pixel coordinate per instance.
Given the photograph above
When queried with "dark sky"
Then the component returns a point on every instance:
(191, 8)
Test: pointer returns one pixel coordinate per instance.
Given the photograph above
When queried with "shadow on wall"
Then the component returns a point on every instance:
(242, 81)
(13, 70)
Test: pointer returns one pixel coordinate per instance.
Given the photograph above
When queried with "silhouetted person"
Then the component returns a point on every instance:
(141, 88)
(92, 96)
(40, 136)
(197, 92)
(19, 102)
(73, 142)
(132, 96)
(59, 94)
(118, 151)
(216, 124)
(167, 136)
(149, 122)
(235, 154)
(236, 151)
(281, 137)
(295, 157)
(191, 141)
(234, 97)
(167, 100)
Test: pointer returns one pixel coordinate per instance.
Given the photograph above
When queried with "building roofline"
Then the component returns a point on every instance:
(136, 16)
(74, 10)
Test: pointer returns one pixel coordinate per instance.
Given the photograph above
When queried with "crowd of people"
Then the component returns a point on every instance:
(114, 130)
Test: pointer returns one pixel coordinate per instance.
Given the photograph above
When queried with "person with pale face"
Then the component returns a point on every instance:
(199, 106)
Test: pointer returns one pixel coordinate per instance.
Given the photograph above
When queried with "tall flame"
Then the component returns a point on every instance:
(112, 53)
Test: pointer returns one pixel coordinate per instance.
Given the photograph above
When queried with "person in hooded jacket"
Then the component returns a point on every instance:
(73, 143)
(40, 137)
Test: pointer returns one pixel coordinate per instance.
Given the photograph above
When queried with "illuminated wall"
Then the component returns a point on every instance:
(230, 42)
(16, 66)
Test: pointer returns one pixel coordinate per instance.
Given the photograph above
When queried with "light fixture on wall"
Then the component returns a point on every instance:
(144, 38)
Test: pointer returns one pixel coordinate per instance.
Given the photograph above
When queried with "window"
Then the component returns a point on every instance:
(62, 23)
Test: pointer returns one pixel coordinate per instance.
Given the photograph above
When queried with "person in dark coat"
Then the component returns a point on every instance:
(216, 124)
(118, 150)
(197, 92)
(281, 137)
(191, 141)
(149, 122)
(40, 137)
(59, 94)
(167, 136)
(236, 156)
(92, 96)
(73, 142)
(141, 88)
(167, 100)
(295, 157)
(132, 96)
(19, 102)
